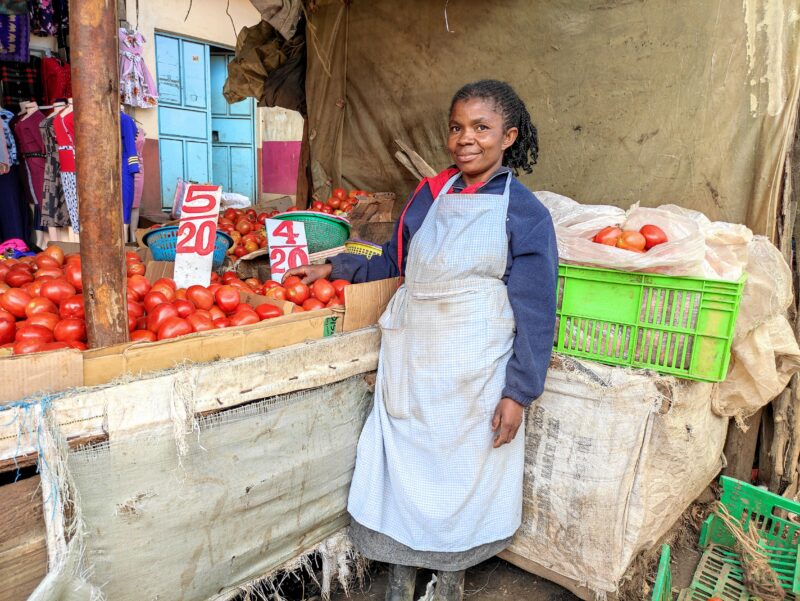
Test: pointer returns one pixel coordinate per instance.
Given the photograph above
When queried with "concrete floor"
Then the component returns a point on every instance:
(493, 580)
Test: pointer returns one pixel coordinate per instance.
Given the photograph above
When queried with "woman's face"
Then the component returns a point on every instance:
(478, 139)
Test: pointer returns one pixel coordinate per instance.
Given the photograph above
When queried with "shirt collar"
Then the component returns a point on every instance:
(460, 184)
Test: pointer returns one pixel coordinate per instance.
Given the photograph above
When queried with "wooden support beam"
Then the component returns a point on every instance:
(23, 551)
(740, 448)
(304, 170)
(95, 85)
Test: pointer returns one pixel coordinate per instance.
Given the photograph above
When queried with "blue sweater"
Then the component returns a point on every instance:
(531, 276)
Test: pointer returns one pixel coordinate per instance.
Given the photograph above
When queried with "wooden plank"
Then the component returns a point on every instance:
(30, 459)
(740, 448)
(23, 552)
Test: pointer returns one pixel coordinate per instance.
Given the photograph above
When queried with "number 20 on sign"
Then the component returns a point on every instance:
(287, 246)
(197, 235)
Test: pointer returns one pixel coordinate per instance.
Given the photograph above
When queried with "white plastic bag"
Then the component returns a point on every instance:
(232, 200)
(576, 225)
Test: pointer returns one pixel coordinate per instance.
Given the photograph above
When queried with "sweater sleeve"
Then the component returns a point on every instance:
(532, 282)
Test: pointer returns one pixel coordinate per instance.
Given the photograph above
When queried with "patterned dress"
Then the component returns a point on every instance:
(43, 17)
(31, 149)
(136, 85)
(54, 204)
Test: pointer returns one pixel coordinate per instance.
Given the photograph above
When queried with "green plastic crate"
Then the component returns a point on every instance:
(772, 515)
(662, 589)
(714, 577)
(322, 232)
(674, 325)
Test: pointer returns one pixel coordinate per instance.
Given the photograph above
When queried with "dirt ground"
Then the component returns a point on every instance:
(493, 580)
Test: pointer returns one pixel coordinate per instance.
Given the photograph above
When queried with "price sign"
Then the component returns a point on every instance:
(197, 234)
(287, 246)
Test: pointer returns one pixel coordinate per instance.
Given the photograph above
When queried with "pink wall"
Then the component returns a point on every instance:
(279, 164)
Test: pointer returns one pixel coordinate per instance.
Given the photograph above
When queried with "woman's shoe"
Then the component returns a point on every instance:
(449, 586)
(401, 583)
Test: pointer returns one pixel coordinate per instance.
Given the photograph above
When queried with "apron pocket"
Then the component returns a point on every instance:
(393, 367)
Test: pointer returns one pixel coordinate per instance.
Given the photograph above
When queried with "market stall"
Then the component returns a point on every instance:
(196, 460)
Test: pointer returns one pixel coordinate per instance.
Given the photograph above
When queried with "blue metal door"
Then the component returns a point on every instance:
(232, 135)
(184, 122)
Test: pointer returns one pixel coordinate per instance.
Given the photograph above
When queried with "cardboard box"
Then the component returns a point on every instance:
(30, 375)
(269, 202)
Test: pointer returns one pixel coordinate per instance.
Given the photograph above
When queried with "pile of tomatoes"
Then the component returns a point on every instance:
(320, 295)
(642, 241)
(341, 202)
(41, 304)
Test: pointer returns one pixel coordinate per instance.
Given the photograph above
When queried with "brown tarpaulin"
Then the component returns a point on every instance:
(692, 103)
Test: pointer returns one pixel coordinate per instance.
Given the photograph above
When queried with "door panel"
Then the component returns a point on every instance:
(171, 153)
(184, 122)
(222, 167)
(232, 134)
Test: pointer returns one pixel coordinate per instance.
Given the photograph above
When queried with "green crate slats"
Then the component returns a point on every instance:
(322, 232)
(714, 577)
(674, 325)
(769, 514)
(662, 589)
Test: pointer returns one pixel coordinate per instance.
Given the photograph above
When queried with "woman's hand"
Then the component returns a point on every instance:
(310, 273)
(506, 421)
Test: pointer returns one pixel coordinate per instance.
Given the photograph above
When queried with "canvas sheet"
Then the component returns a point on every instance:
(690, 103)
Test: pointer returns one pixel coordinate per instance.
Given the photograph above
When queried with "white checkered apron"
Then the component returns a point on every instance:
(426, 473)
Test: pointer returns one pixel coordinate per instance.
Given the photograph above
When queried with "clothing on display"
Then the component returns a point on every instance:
(21, 81)
(138, 178)
(54, 204)
(136, 85)
(130, 163)
(31, 153)
(14, 221)
(14, 37)
(13, 7)
(64, 127)
(43, 17)
(56, 79)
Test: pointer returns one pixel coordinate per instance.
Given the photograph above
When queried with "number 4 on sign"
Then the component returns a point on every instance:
(287, 246)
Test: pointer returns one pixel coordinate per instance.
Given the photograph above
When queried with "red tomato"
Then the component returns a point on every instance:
(269, 284)
(222, 322)
(297, 293)
(24, 347)
(200, 323)
(312, 304)
(143, 336)
(172, 327)
(339, 193)
(227, 298)
(316, 205)
(291, 280)
(18, 277)
(328, 210)
(214, 276)
(132, 256)
(608, 236)
(631, 240)
(152, 299)
(229, 276)
(72, 273)
(253, 283)
(339, 285)
(56, 252)
(268, 311)
(8, 331)
(48, 320)
(168, 281)
(57, 290)
(56, 346)
(139, 285)
(346, 207)
(334, 302)
(334, 202)
(72, 307)
(48, 273)
(167, 291)
(141, 323)
(132, 321)
(262, 218)
(653, 236)
(180, 294)
(216, 313)
(276, 292)
(136, 269)
(159, 315)
(244, 317)
(40, 333)
(200, 296)
(240, 285)
(239, 251)
(229, 214)
(184, 307)
(43, 261)
(323, 290)
(70, 329)
(81, 346)
(244, 226)
(40, 304)
(6, 316)
(14, 301)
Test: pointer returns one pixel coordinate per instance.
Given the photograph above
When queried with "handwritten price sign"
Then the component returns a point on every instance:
(287, 246)
(197, 234)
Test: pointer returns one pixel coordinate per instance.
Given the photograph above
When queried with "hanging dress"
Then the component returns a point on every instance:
(13, 213)
(43, 17)
(64, 128)
(56, 79)
(130, 163)
(138, 178)
(31, 150)
(54, 204)
(428, 488)
(136, 85)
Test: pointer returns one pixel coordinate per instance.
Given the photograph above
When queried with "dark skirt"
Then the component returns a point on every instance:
(378, 547)
(14, 216)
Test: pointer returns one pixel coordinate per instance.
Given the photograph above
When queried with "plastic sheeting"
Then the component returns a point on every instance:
(691, 103)
(613, 458)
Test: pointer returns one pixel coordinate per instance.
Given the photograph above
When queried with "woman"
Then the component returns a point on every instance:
(466, 342)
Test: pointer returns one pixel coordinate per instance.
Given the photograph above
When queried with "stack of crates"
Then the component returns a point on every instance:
(720, 573)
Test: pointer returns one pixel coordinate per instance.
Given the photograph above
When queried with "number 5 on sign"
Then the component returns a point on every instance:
(287, 246)
(197, 235)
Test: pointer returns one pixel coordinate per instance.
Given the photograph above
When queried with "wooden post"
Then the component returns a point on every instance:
(303, 192)
(740, 448)
(95, 85)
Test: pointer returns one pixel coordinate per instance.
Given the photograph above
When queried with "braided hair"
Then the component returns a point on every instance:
(524, 152)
